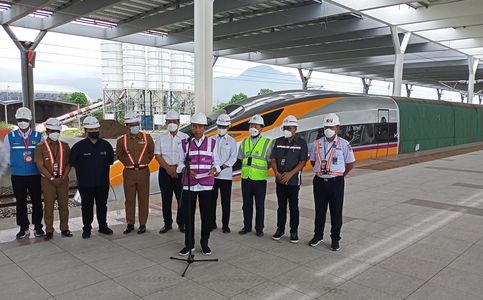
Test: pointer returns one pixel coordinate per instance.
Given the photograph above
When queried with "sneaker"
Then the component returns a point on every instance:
(23, 234)
(315, 241)
(106, 230)
(48, 236)
(244, 231)
(142, 229)
(86, 234)
(205, 249)
(259, 233)
(294, 238)
(39, 232)
(185, 251)
(66, 233)
(165, 229)
(129, 228)
(226, 230)
(335, 245)
(278, 235)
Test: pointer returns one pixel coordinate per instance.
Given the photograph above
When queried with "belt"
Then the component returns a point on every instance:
(330, 179)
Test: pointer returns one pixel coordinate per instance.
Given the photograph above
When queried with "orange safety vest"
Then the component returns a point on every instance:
(133, 164)
(325, 168)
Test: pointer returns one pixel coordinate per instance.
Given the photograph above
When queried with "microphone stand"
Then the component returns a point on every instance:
(191, 257)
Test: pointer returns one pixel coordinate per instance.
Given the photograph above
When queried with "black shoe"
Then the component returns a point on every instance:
(315, 241)
(86, 234)
(181, 228)
(23, 234)
(142, 229)
(66, 233)
(335, 245)
(244, 231)
(39, 232)
(214, 227)
(259, 233)
(185, 251)
(294, 238)
(106, 230)
(48, 236)
(205, 249)
(129, 228)
(226, 230)
(278, 235)
(165, 229)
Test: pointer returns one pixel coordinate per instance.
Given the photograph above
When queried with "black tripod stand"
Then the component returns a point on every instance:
(191, 257)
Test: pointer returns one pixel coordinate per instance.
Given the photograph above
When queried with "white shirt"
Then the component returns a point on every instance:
(227, 151)
(343, 155)
(168, 146)
(6, 142)
(181, 165)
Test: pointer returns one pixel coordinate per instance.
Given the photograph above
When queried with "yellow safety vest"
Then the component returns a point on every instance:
(258, 169)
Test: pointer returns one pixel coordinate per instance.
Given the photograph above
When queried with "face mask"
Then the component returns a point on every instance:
(23, 125)
(93, 135)
(134, 129)
(287, 134)
(254, 132)
(222, 131)
(329, 132)
(172, 127)
(54, 136)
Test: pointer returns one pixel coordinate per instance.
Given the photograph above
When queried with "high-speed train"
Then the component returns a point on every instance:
(369, 122)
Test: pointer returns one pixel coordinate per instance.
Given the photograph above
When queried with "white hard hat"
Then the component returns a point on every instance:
(257, 119)
(290, 121)
(199, 118)
(53, 124)
(172, 115)
(330, 120)
(91, 123)
(23, 113)
(131, 117)
(223, 120)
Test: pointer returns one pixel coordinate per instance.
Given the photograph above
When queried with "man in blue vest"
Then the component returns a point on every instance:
(20, 147)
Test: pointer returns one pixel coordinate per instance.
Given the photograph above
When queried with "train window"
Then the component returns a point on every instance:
(367, 136)
(268, 118)
(312, 136)
(352, 133)
(385, 133)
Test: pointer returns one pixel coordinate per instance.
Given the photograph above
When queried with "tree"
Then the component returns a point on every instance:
(264, 91)
(79, 98)
(237, 98)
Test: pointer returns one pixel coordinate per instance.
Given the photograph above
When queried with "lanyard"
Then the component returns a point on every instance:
(51, 156)
(253, 148)
(142, 152)
(26, 142)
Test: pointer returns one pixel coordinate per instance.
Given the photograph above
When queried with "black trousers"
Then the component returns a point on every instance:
(23, 186)
(91, 195)
(329, 193)
(189, 203)
(253, 189)
(170, 186)
(222, 186)
(288, 194)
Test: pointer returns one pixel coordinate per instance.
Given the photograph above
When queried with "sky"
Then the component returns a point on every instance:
(61, 56)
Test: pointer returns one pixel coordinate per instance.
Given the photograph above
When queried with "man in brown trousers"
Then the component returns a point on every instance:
(135, 150)
(52, 159)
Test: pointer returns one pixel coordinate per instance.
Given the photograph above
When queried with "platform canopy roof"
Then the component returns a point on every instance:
(349, 37)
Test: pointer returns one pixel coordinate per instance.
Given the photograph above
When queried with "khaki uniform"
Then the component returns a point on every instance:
(49, 190)
(136, 181)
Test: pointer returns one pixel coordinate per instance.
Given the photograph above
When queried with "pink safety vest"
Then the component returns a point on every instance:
(201, 159)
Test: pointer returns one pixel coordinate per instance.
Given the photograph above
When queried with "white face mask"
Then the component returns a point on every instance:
(222, 131)
(172, 127)
(23, 125)
(329, 132)
(287, 134)
(54, 136)
(254, 132)
(135, 129)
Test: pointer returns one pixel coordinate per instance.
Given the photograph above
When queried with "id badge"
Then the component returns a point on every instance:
(27, 157)
(282, 162)
(56, 169)
(324, 164)
(249, 161)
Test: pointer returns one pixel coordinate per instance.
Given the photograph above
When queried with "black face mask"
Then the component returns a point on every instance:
(93, 135)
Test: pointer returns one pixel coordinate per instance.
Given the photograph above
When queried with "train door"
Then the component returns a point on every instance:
(381, 133)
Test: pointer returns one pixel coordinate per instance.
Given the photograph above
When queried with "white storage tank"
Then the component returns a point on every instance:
(182, 71)
(112, 65)
(134, 61)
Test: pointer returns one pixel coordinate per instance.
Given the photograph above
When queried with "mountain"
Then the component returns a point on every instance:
(251, 81)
